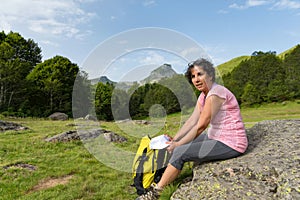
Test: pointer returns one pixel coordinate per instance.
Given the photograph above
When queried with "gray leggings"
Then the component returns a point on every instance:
(200, 150)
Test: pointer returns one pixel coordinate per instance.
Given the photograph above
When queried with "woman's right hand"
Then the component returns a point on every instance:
(172, 145)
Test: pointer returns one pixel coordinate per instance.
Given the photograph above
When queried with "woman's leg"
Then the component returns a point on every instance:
(206, 150)
(168, 176)
(172, 172)
(200, 150)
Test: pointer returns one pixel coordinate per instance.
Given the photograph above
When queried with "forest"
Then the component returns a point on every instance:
(30, 87)
(265, 78)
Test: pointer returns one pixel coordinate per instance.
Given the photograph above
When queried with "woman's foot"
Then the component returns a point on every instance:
(152, 194)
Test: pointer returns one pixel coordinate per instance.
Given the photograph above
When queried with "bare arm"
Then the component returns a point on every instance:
(188, 125)
(212, 105)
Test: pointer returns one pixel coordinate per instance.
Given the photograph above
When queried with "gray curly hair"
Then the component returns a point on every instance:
(205, 64)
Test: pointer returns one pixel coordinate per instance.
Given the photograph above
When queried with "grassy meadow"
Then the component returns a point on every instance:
(67, 170)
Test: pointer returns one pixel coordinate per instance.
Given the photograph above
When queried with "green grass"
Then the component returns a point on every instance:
(272, 111)
(91, 179)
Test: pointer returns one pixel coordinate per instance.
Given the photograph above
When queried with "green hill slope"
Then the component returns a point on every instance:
(230, 65)
(282, 55)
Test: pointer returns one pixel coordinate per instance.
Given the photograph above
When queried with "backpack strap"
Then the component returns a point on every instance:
(138, 179)
(162, 162)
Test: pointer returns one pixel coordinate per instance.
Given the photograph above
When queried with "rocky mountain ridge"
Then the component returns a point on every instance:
(163, 71)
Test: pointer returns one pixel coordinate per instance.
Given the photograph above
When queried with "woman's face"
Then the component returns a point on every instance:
(200, 78)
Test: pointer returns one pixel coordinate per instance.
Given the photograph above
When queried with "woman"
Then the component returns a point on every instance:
(217, 108)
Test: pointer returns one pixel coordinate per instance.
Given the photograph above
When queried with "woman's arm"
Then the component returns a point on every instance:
(188, 125)
(211, 108)
(212, 105)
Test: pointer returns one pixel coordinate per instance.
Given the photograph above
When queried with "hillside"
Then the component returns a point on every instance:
(230, 65)
(282, 55)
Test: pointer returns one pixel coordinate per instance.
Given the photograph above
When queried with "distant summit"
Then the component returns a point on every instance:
(102, 79)
(164, 71)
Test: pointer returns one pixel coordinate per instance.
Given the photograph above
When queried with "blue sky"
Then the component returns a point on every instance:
(224, 29)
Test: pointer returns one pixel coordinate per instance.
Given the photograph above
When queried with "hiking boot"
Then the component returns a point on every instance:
(153, 193)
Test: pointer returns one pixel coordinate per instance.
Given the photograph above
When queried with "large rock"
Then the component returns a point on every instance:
(268, 170)
(86, 135)
(5, 126)
(58, 116)
(90, 117)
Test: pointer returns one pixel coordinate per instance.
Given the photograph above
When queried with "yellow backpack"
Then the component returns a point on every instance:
(148, 165)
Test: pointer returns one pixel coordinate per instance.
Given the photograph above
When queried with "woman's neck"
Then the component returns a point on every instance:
(209, 86)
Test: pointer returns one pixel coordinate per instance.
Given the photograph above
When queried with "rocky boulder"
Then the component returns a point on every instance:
(5, 126)
(268, 170)
(58, 116)
(90, 117)
(88, 134)
(113, 137)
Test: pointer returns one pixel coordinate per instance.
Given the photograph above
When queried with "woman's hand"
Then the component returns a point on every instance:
(172, 145)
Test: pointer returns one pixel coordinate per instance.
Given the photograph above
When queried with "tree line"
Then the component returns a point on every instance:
(30, 87)
(169, 95)
(264, 77)
(36, 88)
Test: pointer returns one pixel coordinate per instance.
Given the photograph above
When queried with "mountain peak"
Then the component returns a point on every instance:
(164, 71)
(102, 79)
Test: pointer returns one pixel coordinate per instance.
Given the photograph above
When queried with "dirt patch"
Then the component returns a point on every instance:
(51, 182)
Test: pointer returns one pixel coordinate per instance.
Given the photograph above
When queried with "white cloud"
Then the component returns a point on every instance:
(252, 3)
(286, 4)
(123, 42)
(152, 57)
(276, 4)
(149, 3)
(112, 18)
(223, 11)
(216, 53)
(47, 42)
(4, 25)
(249, 4)
(192, 50)
(292, 33)
(86, 1)
(44, 17)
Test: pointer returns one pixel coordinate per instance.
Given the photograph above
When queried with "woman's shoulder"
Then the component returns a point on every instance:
(221, 91)
(216, 88)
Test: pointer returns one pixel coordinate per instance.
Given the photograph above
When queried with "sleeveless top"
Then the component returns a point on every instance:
(227, 125)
